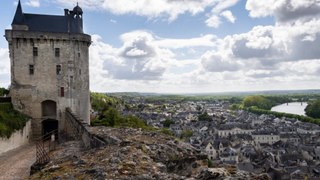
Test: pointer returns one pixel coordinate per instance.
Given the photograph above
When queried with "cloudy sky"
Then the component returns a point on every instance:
(183, 46)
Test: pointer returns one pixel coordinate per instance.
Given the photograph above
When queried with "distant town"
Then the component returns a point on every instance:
(255, 143)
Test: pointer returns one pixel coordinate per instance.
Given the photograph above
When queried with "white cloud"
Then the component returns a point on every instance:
(134, 52)
(204, 41)
(4, 67)
(113, 21)
(138, 59)
(228, 15)
(284, 10)
(284, 55)
(168, 9)
(217, 63)
(33, 3)
(213, 21)
(224, 4)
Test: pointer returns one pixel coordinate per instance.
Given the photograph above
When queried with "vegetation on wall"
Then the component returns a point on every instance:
(10, 120)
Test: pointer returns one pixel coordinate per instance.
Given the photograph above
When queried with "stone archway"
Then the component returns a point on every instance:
(49, 116)
(49, 109)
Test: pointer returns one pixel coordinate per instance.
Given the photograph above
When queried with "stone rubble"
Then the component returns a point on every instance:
(133, 154)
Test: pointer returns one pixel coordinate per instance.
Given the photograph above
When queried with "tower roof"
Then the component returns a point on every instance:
(19, 16)
(77, 10)
(49, 23)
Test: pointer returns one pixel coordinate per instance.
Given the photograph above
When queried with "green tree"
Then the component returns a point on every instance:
(234, 106)
(204, 117)
(257, 101)
(199, 108)
(3, 91)
(313, 109)
(101, 102)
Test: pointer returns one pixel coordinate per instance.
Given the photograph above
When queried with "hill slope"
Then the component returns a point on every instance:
(133, 154)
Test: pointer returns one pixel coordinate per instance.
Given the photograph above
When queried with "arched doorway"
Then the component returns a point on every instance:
(49, 109)
(50, 125)
(49, 116)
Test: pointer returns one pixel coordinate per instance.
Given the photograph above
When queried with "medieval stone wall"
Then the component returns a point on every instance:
(17, 139)
(68, 87)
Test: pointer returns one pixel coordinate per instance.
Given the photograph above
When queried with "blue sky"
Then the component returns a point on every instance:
(193, 46)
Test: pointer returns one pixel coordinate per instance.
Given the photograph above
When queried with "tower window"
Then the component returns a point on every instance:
(31, 69)
(57, 52)
(61, 91)
(78, 54)
(35, 51)
(58, 69)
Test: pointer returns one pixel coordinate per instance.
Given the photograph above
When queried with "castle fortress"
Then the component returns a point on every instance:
(49, 57)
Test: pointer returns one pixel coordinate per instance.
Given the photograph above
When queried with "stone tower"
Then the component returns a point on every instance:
(49, 58)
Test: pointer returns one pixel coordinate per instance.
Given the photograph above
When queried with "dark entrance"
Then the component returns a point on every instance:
(50, 125)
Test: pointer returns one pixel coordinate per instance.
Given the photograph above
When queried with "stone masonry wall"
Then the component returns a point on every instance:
(28, 91)
(17, 139)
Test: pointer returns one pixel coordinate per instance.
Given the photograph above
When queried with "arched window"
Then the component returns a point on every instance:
(49, 108)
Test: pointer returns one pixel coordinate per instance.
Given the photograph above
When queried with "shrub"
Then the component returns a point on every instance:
(167, 123)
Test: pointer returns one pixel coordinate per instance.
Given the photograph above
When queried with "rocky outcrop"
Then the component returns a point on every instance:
(133, 154)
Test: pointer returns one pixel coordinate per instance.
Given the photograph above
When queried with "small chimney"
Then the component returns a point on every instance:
(66, 12)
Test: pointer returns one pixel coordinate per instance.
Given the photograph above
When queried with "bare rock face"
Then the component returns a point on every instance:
(132, 154)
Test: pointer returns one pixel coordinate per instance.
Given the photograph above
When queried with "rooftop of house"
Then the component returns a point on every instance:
(234, 125)
(265, 131)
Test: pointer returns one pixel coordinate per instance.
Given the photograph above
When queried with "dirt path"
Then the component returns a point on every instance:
(16, 163)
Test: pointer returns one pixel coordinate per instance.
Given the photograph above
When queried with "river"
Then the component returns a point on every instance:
(292, 108)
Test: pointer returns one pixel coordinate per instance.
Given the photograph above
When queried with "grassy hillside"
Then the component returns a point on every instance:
(10, 120)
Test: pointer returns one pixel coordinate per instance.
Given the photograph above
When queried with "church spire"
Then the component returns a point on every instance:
(18, 17)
